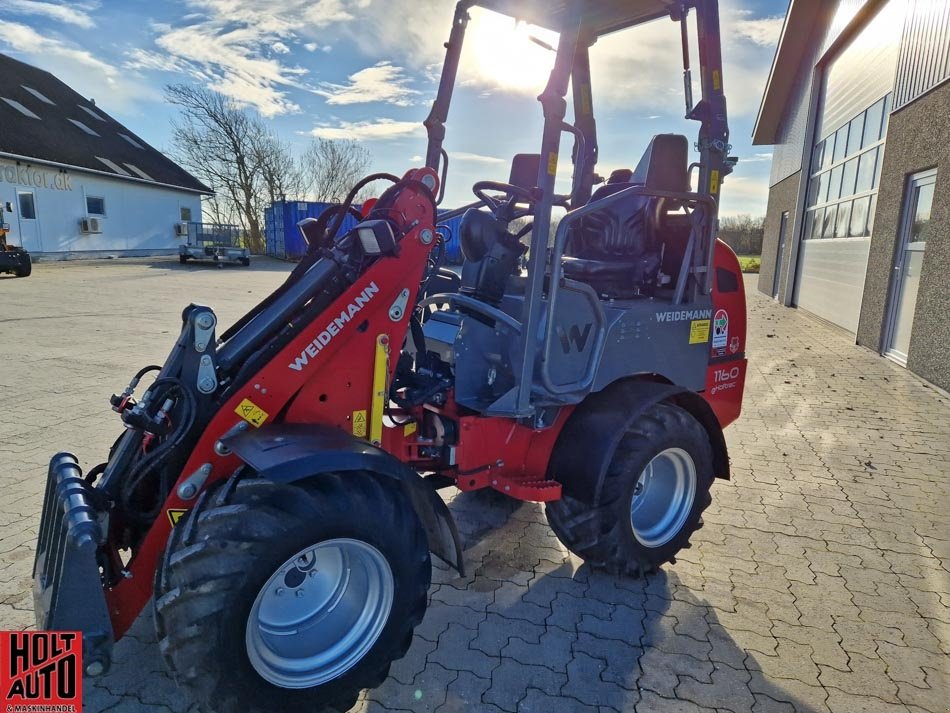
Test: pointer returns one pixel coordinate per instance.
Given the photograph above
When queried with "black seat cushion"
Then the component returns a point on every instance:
(491, 256)
(618, 250)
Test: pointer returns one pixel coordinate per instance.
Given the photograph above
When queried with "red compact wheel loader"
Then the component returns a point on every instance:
(275, 486)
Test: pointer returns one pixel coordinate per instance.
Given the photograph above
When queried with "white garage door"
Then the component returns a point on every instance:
(845, 170)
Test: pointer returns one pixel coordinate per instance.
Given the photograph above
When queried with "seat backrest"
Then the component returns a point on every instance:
(664, 165)
(491, 256)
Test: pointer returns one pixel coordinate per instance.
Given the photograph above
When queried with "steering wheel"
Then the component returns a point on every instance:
(499, 206)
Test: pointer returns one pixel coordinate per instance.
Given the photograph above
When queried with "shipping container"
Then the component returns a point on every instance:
(284, 240)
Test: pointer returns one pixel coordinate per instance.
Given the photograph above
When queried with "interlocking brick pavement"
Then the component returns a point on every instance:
(821, 581)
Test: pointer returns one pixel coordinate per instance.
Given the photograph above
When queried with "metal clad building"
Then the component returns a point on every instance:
(74, 181)
(858, 110)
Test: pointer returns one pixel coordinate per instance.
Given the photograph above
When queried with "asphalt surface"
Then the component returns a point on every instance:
(819, 583)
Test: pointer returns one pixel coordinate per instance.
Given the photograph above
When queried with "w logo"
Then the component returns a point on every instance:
(574, 336)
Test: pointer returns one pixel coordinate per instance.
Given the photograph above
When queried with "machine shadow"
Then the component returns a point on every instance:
(636, 644)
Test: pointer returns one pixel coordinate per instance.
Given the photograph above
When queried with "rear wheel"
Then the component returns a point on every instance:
(246, 261)
(653, 496)
(183, 259)
(303, 594)
(25, 268)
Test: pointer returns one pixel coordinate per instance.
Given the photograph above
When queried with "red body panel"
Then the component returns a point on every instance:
(725, 376)
(345, 368)
(325, 376)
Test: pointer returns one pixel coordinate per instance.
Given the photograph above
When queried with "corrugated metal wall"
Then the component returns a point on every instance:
(925, 50)
(832, 267)
(787, 153)
(863, 71)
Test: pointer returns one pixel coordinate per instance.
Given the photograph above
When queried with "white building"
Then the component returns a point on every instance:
(74, 182)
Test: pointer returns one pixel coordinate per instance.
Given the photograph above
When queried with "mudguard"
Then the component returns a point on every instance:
(600, 421)
(285, 453)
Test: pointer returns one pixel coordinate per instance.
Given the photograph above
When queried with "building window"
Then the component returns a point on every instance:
(185, 214)
(95, 205)
(844, 176)
(27, 206)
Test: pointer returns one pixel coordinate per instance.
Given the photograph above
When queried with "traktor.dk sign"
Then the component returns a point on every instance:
(35, 177)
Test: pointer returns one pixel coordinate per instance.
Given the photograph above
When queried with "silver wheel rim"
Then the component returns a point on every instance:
(319, 613)
(663, 497)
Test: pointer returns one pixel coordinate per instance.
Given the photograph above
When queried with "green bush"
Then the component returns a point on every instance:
(750, 263)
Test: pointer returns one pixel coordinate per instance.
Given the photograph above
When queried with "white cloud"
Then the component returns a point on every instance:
(368, 130)
(641, 67)
(77, 67)
(311, 46)
(744, 194)
(756, 158)
(75, 13)
(382, 82)
(224, 44)
(764, 31)
(474, 157)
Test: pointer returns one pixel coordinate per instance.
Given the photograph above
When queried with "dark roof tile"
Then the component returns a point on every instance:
(57, 135)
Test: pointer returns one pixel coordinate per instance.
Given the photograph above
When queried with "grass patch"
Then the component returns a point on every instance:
(750, 263)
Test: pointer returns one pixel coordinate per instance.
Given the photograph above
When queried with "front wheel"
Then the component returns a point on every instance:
(299, 594)
(652, 499)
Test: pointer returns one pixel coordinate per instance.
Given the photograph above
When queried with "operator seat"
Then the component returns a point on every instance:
(618, 250)
(491, 256)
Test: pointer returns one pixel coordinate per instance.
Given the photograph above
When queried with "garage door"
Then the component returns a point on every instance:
(845, 170)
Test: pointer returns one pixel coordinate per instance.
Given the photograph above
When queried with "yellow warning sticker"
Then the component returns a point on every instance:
(714, 182)
(717, 80)
(175, 515)
(409, 429)
(359, 423)
(251, 412)
(585, 99)
(552, 163)
(699, 331)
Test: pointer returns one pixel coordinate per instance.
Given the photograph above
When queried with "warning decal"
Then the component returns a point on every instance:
(251, 412)
(699, 331)
(359, 423)
(175, 515)
(720, 329)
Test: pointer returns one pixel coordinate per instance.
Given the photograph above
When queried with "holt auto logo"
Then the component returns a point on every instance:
(40, 671)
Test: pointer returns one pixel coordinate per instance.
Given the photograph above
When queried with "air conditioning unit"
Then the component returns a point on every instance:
(181, 230)
(90, 225)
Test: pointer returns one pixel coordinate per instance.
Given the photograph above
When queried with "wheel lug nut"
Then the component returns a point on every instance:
(280, 591)
(299, 592)
(313, 573)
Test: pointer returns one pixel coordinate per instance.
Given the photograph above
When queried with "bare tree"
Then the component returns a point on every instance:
(331, 168)
(234, 152)
(743, 233)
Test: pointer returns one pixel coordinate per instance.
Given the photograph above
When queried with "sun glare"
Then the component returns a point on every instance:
(500, 53)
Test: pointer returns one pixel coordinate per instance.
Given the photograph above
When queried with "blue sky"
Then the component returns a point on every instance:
(368, 69)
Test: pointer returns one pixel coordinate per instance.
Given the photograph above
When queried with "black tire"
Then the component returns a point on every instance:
(183, 259)
(236, 537)
(25, 269)
(603, 536)
(246, 261)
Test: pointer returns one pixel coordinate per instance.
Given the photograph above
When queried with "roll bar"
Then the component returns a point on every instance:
(572, 66)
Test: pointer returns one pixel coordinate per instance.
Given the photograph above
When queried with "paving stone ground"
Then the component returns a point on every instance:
(821, 581)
